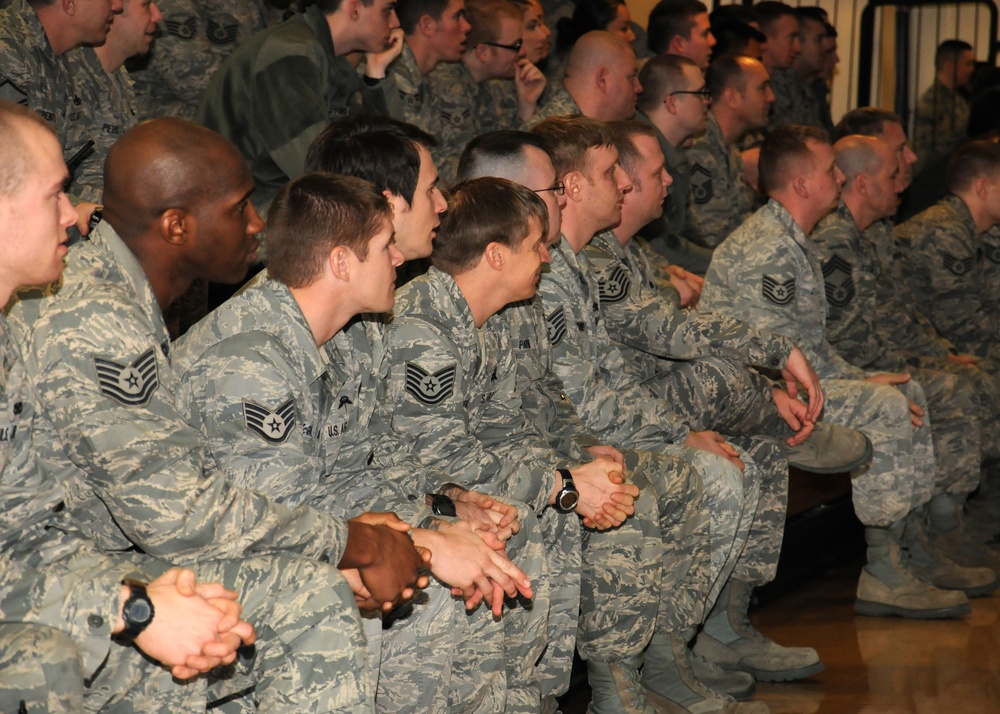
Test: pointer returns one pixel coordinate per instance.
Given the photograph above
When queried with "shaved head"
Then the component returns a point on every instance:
(595, 50)
(861, 155)
(163, 164)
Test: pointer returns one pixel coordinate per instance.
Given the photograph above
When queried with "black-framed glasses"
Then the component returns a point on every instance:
(516, 47)
(559, 189)
(703, 93)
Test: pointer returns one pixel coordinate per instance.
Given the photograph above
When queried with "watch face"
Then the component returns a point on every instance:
(139, 611)
(568, 500)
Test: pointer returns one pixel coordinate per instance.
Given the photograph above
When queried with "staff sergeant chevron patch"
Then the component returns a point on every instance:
(222, 34)
(614, 287)
(430, 388)
(555, 323)
(130, 384)
(185, 29)
(838, 281)
(959, 266)
(779, 293)
(273, 424)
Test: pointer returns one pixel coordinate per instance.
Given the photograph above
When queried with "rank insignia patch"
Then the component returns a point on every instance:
(221, 34)
(992, 253)
(430, 388)
(274, 425)
(12, 93)
(556, 326)
(701, 184)
(184, 29)
(129, 384)
(958, 266)
(614, 287)
(838, 281)
(779, 293)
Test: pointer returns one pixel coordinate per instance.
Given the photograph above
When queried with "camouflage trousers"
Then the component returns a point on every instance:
(560, 584)
(44, 665)
(901, 474)
(985, 379)
(442, 658)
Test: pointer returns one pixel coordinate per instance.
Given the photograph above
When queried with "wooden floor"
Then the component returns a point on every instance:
(876, 665)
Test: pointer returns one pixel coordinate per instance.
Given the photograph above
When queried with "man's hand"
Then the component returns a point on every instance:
(389, 565)
(795, 414)
(607, 451)
(964, 359)
(529, 82)
(716, 443)
(377, 63)
(474, 570)
(606, 501)
(476, 506)
(83, 211)
(892, 379)
(188, 633)
(688, 285)
(796, 371)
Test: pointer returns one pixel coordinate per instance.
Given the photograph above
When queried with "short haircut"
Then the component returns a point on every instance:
(732, 37)
(975, 159)
(857, 155)
(484, 18)
(588, 15)
(770, 11)
(328, 7)
(660, 76)
(624, 133)
(812, 13)
(731, 13)
(950, 51)
(670, 19)
(497, 153)
(483, 211)
(314, 214)
(16, 161)
(726, 72)
(381, 150)
(783, 151)
(569, 139)
(866, 121)
(409, 12)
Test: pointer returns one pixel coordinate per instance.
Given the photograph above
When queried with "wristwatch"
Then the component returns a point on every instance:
(137, 611)
(442, 505)
(568, 496)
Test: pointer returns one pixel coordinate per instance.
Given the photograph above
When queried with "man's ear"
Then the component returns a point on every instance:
(732, 97)
(573, 181)
(339, 262)
(495, 255)
(677, 45)
(426, 25)
(981, 186)
(69, 7)
(800, 187)
(177, 226)
(602, 79)
(352, 7)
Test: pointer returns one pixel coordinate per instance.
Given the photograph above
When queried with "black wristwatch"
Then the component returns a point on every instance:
(568, 496)
(442, 505)
(137, 611)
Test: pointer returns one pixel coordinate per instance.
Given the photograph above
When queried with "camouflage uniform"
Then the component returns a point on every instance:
(278, 91)
(33, 76)
(677, 235)
(721, 198)
(558, 104)
(939, 122)
(851, 274)
(319, 453)
(107, 113)
(769, 273)
(795, 102)
(59, 597)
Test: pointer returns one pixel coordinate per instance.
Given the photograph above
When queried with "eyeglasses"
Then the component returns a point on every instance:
(559, 189)
(516, 47)
(703, 93)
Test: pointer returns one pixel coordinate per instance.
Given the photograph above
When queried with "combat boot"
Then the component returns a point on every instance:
(831, 449)
(946, 528)
(734, 682)
(932, 565)
(616, 688)
(668, 672)
(887, 588)
(730, 641)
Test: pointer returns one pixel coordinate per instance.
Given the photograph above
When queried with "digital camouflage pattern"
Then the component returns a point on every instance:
(558, 103)
(795, 102)
(939, 123)
(720, 197)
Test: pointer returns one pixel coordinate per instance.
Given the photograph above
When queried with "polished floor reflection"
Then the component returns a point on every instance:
(882, 665)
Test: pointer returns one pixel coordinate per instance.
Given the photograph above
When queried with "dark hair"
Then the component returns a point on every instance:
(482, 211)
(770, 11)
(624, 133)
(381, 150)
(973, 160)
(866, 121)
(660, 76)
(732, 37)
(813, 13)
(670, 19)
(588, 15)
(950, 51)
(781, 150)
(487, 153)
(16, 160)
(328, 7)
(314, 214)
(409, 12)
(724, 73)
(569, 139)
(484, 19)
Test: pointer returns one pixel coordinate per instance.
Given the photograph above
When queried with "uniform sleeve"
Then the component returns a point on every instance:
(108, 390)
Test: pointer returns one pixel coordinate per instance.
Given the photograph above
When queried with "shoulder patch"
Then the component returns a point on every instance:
(701, 184)
(555, 324)
(430, 389)
(12, 93)
(838, 281)
(958, 266)
(129, 384)
(183, 28)
(221, 34)
(274, 425)
(779, 293)
(992, 253)
(614, 286)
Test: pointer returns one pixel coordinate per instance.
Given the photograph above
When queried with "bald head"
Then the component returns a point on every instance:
(16, 159)
(861, 155)
(602, 76)
(596, 50)
(163, 164)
